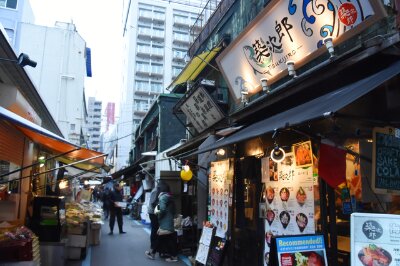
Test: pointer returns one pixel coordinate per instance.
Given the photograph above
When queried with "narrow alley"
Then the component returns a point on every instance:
(123, 250)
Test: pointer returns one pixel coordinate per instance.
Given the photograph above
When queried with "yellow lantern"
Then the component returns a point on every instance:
(186, 173)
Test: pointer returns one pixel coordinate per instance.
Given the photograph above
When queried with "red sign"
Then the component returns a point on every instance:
(347, 14)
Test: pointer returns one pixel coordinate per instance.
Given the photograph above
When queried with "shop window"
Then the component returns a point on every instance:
(9, 4)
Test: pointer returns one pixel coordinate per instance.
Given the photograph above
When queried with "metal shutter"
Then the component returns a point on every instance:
(11, 144)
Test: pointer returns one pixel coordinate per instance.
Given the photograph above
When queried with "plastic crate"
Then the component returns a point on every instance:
(16, 250)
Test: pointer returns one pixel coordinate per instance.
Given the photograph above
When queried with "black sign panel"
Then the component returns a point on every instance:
(217, 251)
(386, 160)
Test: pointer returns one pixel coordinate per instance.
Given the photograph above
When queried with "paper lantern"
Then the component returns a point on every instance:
(186, 173)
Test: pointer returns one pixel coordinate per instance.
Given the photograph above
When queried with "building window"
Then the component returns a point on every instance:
(179, 54)
(156, 87)
(142, 67)
(142, 48)
(141, 105)
(9, 4)
(142, 86)
(72, 126)
(176, 71)
(180, 19)
(181, 36)
(157, 69)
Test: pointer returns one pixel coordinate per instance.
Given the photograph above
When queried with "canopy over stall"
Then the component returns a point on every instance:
(64, 151)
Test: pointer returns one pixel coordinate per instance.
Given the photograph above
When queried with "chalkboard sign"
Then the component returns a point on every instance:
(386, 160)
(217, 251)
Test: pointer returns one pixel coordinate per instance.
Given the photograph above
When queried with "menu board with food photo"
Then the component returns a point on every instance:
(301, 250)
(220, 189)
(289, 201)
(375, 239)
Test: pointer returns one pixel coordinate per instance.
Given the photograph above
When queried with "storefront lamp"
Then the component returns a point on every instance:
(63, 184)
(22, 60)
(221, 152)
(290, 67)
(42, 161)
(186, 173)
(264, 85)
(329, 46)
(277, 154)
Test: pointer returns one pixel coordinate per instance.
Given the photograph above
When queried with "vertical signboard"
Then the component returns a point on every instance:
(220, 191)
(289, 198)
(386, 160)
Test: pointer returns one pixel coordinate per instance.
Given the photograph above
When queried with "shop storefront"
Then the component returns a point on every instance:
(36, 190)
(318, 141)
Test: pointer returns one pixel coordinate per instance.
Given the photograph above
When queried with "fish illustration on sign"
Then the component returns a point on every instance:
(258, 56)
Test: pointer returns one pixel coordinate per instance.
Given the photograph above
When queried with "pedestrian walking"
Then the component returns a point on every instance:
(153, 221)
(106, 202)
(166, 235)
(115, 209)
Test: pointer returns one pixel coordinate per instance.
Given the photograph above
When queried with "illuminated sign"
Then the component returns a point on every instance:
(290, 31)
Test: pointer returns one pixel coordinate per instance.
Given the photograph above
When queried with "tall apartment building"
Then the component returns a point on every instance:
(94, 123)
(156, 40)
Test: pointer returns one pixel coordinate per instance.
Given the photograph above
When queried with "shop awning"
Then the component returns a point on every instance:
(314, 109)
(126, 171)
(195, 66)
(54, 143)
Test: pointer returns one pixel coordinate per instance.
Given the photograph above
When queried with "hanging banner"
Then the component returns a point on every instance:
(289, 196)
(290, 31)
(375, 239)
(220, 191)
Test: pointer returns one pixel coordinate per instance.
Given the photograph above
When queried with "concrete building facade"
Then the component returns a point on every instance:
(59, 76)
(156, 40)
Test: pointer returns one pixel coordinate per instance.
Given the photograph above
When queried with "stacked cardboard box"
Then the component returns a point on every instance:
(95, 234)
(77, 241)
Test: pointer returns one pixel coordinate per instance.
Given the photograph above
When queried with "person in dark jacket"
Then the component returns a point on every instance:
(153, 221)
(166, 235)
(106, 202)
(115, 210)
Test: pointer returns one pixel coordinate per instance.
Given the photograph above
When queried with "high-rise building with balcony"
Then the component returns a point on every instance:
(94, 123)
(156, 41)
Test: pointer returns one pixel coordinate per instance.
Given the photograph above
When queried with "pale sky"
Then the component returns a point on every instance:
(99, 23)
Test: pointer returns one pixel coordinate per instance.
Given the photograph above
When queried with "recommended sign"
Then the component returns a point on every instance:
(301, 250)
(375, 239)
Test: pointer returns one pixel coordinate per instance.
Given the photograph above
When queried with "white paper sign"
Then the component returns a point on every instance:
(206, 236)
(220, 190)
(289, 197)
(375, 239)
(202, 253)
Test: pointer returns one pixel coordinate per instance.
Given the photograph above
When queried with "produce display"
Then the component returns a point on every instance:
(77, 213)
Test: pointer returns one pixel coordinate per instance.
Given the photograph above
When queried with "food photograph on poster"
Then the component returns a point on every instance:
(303, 154)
